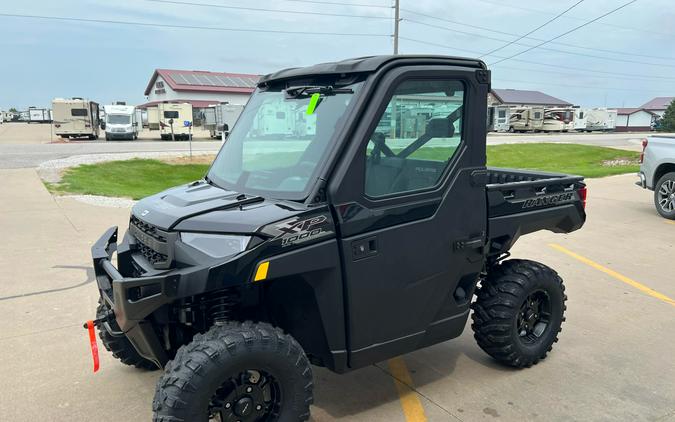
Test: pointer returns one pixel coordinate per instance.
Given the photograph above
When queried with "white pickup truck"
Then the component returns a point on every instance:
(657, 172)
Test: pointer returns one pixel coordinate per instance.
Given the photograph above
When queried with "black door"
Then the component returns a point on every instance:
(411, 211)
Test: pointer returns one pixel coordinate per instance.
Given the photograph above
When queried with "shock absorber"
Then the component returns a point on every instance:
(221, 308)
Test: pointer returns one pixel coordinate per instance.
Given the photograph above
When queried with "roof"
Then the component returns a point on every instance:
(658, 103)
(519, 96)
(369, 64)
(627, 111)
(200, 80)
(195, 103)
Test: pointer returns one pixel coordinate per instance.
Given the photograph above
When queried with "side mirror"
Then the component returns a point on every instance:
(103, 125)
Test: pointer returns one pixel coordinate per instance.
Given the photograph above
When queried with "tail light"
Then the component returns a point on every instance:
(582, 195)
(645, 142)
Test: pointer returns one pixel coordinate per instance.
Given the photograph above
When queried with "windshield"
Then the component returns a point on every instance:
(280, 140)
(118, 119)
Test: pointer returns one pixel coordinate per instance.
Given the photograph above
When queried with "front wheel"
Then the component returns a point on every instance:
(518, 312)
(664, 196)
(244, 372)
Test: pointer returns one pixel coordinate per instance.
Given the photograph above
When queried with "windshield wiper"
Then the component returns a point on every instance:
(308, 90)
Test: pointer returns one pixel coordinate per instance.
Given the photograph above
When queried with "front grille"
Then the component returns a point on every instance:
(151, 242)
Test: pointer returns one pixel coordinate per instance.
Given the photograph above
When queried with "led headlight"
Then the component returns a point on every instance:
(215, 245)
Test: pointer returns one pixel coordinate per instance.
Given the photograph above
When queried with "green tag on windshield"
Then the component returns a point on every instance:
(313, 102)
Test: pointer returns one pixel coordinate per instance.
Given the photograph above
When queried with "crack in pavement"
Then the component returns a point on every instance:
(90, 278)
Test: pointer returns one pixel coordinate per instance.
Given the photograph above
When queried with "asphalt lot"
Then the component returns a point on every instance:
(613, 361)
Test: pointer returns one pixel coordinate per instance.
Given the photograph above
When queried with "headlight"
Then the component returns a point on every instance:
(215, 245)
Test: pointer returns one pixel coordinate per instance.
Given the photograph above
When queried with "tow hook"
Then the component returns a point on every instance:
(95, 322)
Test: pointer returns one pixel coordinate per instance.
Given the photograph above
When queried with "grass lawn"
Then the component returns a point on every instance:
(142, 177)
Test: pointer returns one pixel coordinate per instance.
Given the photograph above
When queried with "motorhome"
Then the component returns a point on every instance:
(580, 119)
(175, 120)
(558, 120)
(498, 118)
(526, 119)
(600, 119)
(226, 117)
(38, 115)
(76, 118)
(121, 122)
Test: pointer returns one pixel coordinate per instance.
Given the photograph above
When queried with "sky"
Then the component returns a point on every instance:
(622, 60)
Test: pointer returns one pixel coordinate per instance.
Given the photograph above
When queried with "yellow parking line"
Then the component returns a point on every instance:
(612, 273)
(670, 221)
(410, 402)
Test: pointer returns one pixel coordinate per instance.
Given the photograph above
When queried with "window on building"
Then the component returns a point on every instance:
(170, 114)
(159, 84)
(416, 137)
(78, 112)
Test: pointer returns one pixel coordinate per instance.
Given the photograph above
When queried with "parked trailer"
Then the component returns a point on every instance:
(498, 118)
(559, 119)
(38, 115)
(601, 119)
(526, 119)
(208, 117)
(121, 122)
(76, 118)
(172, 118)
(139, 118)
(153, 118)
(226, 117)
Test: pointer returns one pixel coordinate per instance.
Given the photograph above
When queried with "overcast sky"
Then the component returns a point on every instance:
(42, 59)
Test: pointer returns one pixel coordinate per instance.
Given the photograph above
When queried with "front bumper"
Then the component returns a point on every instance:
(133, 299)
(119, 135)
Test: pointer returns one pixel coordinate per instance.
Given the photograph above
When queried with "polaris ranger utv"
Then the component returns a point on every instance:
(363, 236)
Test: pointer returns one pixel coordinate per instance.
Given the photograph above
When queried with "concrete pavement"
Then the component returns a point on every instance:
(613, 361)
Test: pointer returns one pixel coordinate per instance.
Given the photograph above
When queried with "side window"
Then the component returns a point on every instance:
(416, 137)
(537, 115)
(77, 112)
(502, 114)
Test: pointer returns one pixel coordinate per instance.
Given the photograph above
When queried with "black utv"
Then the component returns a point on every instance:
(349, 218)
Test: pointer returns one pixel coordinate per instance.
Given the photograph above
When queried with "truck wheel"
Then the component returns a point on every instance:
(664, 196)
(518, 312)
(120, 347)
(236, 372)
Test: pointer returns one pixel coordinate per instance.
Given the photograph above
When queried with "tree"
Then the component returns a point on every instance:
(667, 123)
(13, 110)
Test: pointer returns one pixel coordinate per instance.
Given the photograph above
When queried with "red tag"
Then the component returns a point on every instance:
(92, 343)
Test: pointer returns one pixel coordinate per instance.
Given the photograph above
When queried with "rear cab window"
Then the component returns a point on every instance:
(78, 112)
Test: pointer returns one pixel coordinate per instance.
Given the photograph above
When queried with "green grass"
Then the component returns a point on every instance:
(141, 177)
(135, 179)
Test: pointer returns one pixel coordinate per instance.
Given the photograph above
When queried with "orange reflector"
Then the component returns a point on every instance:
(261, 272)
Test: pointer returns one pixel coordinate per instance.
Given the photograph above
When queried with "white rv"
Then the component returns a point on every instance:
(601, 119)
(560, 119)
(226, 117)
(498, 118)
(120, 122)
(38, 115)
(75, 118)
(580, 119)
(153, 118)
(175, 120)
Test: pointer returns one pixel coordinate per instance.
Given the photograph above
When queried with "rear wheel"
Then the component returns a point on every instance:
(120, 347)
(518, 312)
(236, 372)
(664, 196)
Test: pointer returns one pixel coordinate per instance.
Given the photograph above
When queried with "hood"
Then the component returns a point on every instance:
(202, 207)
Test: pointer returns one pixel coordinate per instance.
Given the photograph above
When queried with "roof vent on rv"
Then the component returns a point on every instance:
(77, 98)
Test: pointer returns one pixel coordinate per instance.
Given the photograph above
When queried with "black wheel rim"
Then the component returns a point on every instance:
(666, 196)
(534, 317)
(251, 396)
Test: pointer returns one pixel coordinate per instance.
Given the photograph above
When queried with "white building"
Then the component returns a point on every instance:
(200, 88)
(634, 120)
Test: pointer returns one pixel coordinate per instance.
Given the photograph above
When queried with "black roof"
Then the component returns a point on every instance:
(368, 64)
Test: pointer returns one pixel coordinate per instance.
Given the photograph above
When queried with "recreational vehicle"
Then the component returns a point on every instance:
(76, 118)
(498, 118)
(526, 119)
(580, 119)
(600, 119)
(175, 120)
(120, 122)
(153, 118)
(226, 117)
(38, 115)
(558, 120)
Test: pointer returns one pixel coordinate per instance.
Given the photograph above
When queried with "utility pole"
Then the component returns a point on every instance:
(396, 21)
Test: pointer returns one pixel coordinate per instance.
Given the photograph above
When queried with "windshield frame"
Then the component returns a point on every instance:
(355, 83)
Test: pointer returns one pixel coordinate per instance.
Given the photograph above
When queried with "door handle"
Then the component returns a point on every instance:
(472, 243)
(364, 248)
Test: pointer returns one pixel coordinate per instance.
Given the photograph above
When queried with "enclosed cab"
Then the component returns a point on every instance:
(120, 122)
(374, 234)
(175, 120)
(76, 118)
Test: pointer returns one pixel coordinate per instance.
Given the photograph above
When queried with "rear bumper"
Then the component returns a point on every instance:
(643, 180)
(133, 300)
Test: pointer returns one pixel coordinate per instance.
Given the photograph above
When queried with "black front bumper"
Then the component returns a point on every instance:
(133, 299)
